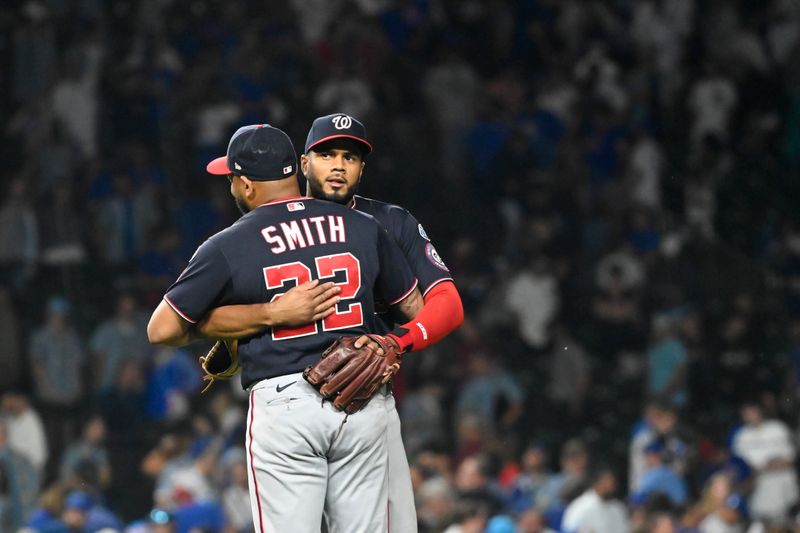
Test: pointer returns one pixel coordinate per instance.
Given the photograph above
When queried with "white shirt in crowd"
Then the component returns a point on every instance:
(26, 436)
(534, 300)
(713, 523)
(589, 513)
(712, 101)
(775, 491)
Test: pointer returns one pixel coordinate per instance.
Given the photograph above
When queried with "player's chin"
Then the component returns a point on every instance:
(339, 195)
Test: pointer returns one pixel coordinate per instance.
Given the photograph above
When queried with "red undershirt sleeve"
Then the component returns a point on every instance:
(441, 314)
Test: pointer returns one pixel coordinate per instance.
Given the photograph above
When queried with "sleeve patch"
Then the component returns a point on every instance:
(422, 233)
(433, 256)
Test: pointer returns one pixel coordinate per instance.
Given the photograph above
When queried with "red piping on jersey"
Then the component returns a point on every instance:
(289, 199)
(409, 291)
(432, 285)
(329, 137)
(175, 308)
(252, 463)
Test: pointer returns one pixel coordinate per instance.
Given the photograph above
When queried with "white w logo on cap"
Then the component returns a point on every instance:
(342, 122)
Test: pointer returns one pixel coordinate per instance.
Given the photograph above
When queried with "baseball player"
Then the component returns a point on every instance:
(304, 456)
(333, 164)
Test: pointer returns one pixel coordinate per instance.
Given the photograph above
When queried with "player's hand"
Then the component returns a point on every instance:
(365, 340)
(306, 303)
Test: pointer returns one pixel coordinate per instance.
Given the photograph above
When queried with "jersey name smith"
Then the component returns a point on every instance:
(304, 232)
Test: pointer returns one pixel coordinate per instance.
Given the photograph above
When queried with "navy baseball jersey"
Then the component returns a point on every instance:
(422, 257)
(282, 244)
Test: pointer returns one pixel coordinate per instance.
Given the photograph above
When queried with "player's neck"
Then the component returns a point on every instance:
(270, 191)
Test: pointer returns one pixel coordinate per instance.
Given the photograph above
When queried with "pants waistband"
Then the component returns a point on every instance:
(288, 383)
(292, 385)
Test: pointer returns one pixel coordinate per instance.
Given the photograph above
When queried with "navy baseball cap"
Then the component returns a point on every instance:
(337, 126)
(260, 152)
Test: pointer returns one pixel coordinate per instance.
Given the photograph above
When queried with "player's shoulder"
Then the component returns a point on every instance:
(328, 207)
(373, 206)
(387, 213)
(225, 235)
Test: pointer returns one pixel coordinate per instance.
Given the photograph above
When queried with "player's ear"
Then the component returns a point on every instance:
(248, 184)
(304, 164)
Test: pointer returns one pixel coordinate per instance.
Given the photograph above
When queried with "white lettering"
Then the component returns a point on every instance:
(336, 226)
(279, 246)
(423, 330)
(307, 230)
(318, 222)
(293, 235)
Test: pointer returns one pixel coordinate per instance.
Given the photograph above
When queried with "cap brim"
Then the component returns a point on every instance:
(331, 137)
(219, 166)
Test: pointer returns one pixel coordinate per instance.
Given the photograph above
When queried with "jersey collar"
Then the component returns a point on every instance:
(283, 200)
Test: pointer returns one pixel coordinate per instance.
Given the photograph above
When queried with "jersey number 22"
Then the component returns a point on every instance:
(327, 267)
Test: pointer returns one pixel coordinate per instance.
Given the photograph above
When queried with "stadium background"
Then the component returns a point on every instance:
(613, 184)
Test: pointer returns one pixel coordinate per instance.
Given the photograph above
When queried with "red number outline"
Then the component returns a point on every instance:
(327, 266)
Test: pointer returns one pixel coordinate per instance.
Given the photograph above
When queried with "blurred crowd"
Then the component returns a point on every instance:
(614, 185)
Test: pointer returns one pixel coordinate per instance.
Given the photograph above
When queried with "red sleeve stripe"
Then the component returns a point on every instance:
(409, 291)
(181, 313)
(435, 283)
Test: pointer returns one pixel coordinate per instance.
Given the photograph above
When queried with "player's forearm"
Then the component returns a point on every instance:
(304, 304)
(167, 328)
(441, 315)
(236, 321)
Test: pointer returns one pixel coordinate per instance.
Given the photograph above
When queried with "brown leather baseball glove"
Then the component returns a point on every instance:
(221, 362)
(351, 376)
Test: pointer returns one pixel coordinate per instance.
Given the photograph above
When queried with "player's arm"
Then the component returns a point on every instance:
(197, 290)
(409, 306)
(304, 304)
(441, 314)
(168, 328)
(443, 311)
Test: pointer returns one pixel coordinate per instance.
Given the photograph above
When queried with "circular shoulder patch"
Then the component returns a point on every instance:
(422, 232)
(433, 257)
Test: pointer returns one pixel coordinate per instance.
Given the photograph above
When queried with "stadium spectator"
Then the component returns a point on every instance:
(490, 393)
(57, 357)
(20, 482)
(524, 491)
(659, 478)
(659, 423)
(471, 516)
(235, 496)
(596, 508)
(88, 450)
(568, 482)
(768, 447)
(118, 339)
(667, 363)
(532, 521)
(532, 296)
(25, 430)
(19, 236)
